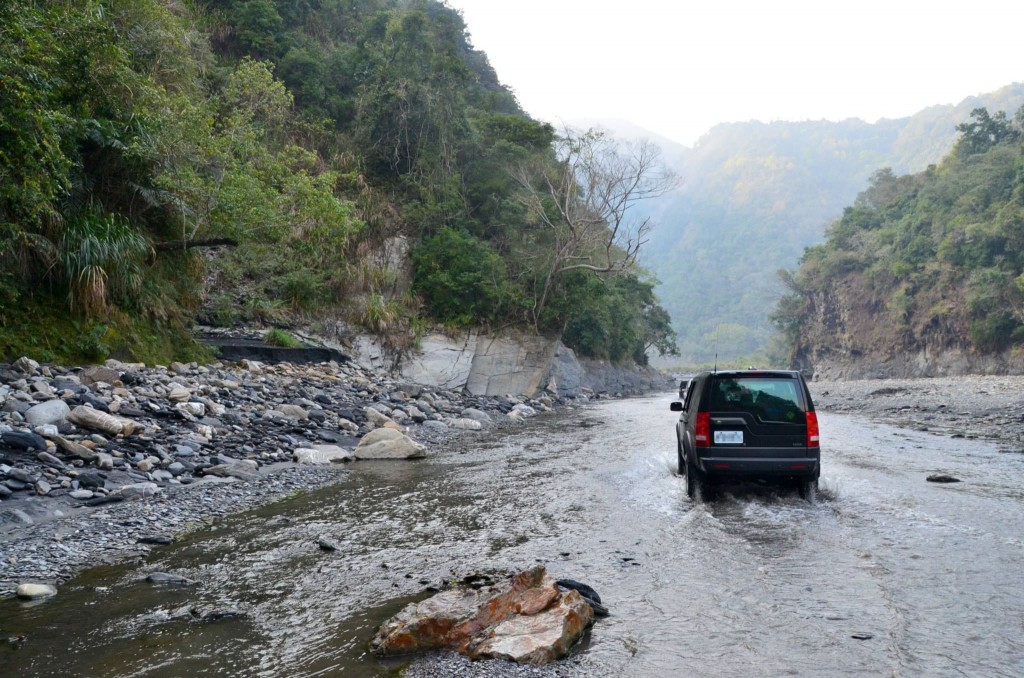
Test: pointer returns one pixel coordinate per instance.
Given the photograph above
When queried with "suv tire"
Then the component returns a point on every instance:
(807, 488)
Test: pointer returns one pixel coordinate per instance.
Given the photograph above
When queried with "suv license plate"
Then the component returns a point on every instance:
(728, 437)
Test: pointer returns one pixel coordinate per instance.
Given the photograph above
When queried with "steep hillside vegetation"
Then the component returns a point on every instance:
(275, 160)
(754, 195)
(924, 273)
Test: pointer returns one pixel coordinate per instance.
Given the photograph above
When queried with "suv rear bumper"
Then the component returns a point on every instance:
(761, 463)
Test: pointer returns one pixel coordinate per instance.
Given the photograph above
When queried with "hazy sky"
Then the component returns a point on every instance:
(677, 68)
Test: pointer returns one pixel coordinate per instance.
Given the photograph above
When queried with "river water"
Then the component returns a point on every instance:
(883, 575)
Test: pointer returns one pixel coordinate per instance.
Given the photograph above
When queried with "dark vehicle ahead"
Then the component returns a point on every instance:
(748, 425)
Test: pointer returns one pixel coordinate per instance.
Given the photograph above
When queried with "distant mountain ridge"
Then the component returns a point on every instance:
(753, 195)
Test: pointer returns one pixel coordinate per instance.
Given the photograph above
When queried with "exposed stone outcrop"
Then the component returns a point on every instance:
(515, 364)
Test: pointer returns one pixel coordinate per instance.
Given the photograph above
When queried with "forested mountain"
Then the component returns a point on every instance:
(921, 267)
(270, 160)
(754, 195)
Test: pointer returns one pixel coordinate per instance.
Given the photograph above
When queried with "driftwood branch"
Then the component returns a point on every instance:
(189, 244)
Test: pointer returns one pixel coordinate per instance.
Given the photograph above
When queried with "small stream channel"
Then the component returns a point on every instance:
(884, 574)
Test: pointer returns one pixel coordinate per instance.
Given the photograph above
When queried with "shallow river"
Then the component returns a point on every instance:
(884, 575)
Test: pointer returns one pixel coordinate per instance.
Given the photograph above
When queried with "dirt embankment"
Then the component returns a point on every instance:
(987, 407)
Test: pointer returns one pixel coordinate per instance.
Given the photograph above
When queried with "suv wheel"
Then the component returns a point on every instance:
(697, 484)
(807, 488)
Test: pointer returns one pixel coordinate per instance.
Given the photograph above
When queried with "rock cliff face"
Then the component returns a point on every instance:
(489, 365)
(850, 333)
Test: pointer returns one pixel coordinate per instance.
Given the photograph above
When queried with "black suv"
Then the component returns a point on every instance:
(747, 425)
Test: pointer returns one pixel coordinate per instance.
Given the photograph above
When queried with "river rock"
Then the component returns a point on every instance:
(942, 478)
(99, 373)
(377, 418)
(539, 638)
(139, 490)
(386, 443)
(26, 365)
(104, 461)
(21, 440)
(194, 409)
(87, 417)
(466, 424)
(76, 449)
(35, 591)
(322, 454)
(46, 413)
(524, 409)
(81, 494)
(526, 619)
(179, 394)
(294, 412)
(476, 415)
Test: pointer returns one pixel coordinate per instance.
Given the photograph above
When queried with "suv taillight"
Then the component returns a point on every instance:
(813, 439)
(702, 430)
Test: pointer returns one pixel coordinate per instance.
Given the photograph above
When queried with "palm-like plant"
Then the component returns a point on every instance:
(99, 257)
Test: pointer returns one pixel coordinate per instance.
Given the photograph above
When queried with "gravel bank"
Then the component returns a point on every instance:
(986, 407)
(96, 462)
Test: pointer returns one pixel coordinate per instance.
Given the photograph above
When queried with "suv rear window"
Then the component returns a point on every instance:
(767, 399)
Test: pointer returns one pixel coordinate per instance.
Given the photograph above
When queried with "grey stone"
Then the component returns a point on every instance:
(81, 494)
(168, 578)
(43, 488)
(49, 412)
(386, 443)
(294, 412)
(476, 415)
(26, 365)
(21, 440)
(139, 490)
(466, 424)
(99, 373)
(322, 454)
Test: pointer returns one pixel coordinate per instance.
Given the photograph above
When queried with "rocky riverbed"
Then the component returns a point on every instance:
(98, 464)
(989, 407)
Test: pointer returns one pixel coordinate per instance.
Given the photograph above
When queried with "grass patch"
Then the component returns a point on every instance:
(276, 337)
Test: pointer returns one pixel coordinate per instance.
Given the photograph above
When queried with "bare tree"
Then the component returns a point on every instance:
(586, 200)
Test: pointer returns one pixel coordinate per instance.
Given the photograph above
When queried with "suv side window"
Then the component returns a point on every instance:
(689, 394)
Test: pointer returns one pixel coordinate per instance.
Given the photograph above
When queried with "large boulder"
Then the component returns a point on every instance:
(49, 412)
(387, 443)
(526, 619)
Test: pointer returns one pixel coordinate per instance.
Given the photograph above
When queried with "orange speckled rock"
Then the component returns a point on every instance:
(540, 638)
(526, 619)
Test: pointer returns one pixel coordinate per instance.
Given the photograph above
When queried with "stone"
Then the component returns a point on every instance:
(46, 413)
(76, 449)
(147, 464)
(377, 418)
(43, 488)
(98, 373)
(104, 461)
(90, 479)
(179, 394)
(139, 490)
(525, 410)
(20, 440)
(194, 409)
(20, 475)
(178, 368)
(466, 424)
(476, 415)
(87, 417)
(416, 414)
(386, 443)
(156, 539)
(26, 365)
(81, 494)
(526, 619)
(35, 591)
(240, 471)
(322, 454)
(346, 425)
(5, 491)
(294, 412)
(47, 431)
(50, 460)
(942, 478)
(539, 638)
(326, 544)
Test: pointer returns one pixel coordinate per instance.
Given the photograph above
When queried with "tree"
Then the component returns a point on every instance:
(584, 202)
(985, 131)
